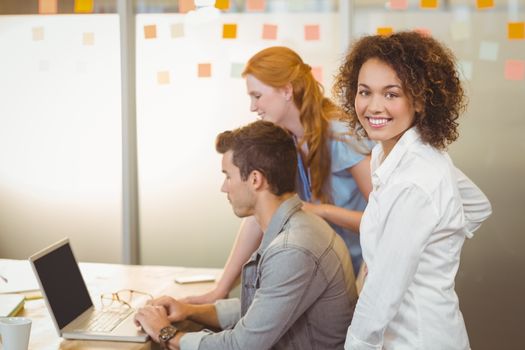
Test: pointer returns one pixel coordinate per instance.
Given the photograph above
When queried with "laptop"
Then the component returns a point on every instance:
(68, 301)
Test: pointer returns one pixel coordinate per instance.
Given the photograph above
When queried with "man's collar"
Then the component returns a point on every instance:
(279, 219)
(382, 172)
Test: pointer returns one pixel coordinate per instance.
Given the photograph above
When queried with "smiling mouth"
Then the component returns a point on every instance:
(378, 122)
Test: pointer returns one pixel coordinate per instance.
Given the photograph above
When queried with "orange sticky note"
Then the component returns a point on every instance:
(229, 31)
(424, 31)
(514, 69)
(269, 32)
(88, 39)
(384, 31)
(204, 70)
(47, 7)
(150, 31)
(186, 6)
(428, 4)
(255, 5)
(516, 30)
(317, 72)
(84, 6)
(311, 32)
(398, 4)
(484, 4)
(163, 77)
(38, 33)
(222, 4)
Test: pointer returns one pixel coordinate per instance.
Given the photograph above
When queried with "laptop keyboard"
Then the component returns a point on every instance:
(107, 320)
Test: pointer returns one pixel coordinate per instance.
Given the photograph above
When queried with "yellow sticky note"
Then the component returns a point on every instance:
(384, 31)
(222, 4)
(484, 4)
(460, 31)
(428, 4)
(150, 31)
(186, 6)
(516, 30)
(229, 31)
(177, 30)
(311, 32)
(398, 4)
(88, 39)
(163, 77)
(38, 33)
(47, 7)
(204, 70)
(84, 6)
(514, 69)
(269, 32)
(317, 72)
(255, 5)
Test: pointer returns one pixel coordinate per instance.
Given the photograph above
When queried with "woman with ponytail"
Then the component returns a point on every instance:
(333, 177)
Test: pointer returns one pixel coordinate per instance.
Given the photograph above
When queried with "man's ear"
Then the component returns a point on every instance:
(257, 180)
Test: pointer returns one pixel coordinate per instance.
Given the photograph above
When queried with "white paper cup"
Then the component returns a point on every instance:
(15, 332)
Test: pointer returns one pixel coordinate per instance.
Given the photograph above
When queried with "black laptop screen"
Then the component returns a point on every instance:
(63, 285)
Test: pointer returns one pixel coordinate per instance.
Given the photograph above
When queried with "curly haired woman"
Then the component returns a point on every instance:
(403, 91)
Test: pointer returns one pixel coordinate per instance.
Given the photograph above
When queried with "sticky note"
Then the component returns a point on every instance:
(514, 69)
(177, 30)
(488, 50)
(47, 7)
(516, 30)
(384, 31)
(163, 77)
(186, 6)
(269, 32)
(204, 70)
(317, 72)
(484, 4)
(465, 70)
(236, 70)
(222, 4)
(84, 6)
(38, 33)
(311, 32)
(255, 5)
(88, 39)
(398, 4)
(424, 31)
(428, 4)
(150, 31)
(229, 31)
(460, 31)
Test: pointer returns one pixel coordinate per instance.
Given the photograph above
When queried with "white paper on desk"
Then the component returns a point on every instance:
(19, 275)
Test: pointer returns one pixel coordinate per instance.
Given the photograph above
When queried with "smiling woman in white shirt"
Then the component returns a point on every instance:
(403, 91)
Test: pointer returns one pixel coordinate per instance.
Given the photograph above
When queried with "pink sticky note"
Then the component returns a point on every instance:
(311, 32)
(424, 31)
(255, 5)
(47, 7)
(317, 72)
(514, 69)
(398, 4)
(186, 6)
(204, 70)
(269, 32)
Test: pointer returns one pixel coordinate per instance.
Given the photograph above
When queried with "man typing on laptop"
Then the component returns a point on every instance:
(297, 289)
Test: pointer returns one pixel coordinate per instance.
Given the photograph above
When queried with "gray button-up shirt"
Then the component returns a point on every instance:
(298, 290)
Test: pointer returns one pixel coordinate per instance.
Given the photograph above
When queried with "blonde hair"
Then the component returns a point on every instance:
(278, 66)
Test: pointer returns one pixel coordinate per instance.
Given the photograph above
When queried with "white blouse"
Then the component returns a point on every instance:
(412, 231)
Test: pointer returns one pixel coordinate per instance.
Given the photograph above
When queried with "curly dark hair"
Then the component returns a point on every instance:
(427, 71)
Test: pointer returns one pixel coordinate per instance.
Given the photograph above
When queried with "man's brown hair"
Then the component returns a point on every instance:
(265, 147)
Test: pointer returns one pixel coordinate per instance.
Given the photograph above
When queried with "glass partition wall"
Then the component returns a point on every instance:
(61, 138)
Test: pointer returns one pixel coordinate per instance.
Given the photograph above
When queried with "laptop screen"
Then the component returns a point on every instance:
(63, 285)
